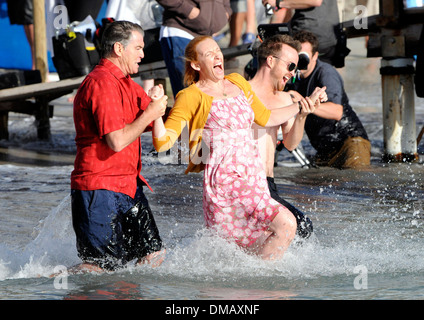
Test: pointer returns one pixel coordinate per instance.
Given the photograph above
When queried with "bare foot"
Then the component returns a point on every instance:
(85, 267)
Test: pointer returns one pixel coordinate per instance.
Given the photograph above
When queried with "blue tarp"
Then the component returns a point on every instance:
(15, 52)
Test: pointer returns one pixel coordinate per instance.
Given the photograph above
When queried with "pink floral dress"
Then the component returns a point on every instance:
(236, 198)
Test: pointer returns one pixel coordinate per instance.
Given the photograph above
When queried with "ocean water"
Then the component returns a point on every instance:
(368, 224)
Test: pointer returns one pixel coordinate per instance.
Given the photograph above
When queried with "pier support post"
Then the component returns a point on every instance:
(40, 41)
(399, 132)
(41, 64)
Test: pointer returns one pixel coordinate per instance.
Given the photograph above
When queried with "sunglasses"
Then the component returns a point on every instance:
(291, 66)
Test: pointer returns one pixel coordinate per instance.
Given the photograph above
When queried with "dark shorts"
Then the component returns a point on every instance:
(304, 224)
(112, 228)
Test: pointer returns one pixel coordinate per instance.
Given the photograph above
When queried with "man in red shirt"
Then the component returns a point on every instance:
(111, 216)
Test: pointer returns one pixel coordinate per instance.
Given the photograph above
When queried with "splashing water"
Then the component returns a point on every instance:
(361, 225)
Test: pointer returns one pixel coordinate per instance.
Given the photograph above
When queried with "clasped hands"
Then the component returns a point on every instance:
(159, 101)
(311, 103)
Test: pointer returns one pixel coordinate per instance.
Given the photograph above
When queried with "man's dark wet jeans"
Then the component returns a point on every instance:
(113, 229)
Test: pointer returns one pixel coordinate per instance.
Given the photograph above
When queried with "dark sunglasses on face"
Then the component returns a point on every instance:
(291, 66)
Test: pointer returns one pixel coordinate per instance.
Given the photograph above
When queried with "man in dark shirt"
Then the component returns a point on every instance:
(320, 17)
(334, 129)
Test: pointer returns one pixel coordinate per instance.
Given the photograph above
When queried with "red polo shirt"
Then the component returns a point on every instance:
(106, 101)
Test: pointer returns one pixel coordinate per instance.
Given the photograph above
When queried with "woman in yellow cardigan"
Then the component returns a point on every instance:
(219, 111)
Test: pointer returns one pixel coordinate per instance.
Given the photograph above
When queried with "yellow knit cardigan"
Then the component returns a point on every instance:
(192, 107)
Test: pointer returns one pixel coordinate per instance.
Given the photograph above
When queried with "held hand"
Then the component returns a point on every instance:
(157, 108)
(323, 97)
(307, 106)
(156, 92)
(319, 95)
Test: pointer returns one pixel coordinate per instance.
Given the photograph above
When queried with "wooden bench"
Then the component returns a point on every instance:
(34, 99)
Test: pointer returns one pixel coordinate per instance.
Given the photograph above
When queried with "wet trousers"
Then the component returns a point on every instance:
(112, 228)
(355, 153)
(304, 224)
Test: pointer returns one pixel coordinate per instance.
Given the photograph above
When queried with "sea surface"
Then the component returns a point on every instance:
(368, 224)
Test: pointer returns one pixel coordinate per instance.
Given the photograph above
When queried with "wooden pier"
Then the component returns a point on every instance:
(396, 35)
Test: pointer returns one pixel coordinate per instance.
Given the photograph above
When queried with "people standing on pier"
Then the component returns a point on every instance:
(242, 22)
(182, 21)
(334, 130)
(219, 110)
(20, 12)
(111, 216)
(146, 13)
(277, 58)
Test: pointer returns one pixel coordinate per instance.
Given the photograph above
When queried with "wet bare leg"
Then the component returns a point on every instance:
(277, 239)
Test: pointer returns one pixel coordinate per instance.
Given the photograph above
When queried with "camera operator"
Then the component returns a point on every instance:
(334, 129)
